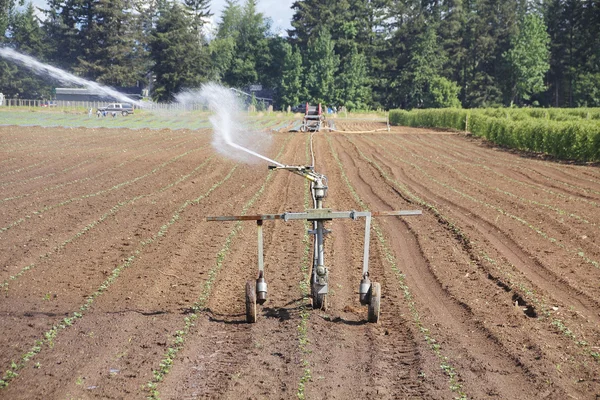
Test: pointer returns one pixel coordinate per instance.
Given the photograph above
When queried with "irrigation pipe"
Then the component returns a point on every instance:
(373, 131)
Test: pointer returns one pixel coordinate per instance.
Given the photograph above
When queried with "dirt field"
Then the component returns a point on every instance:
(114, 286)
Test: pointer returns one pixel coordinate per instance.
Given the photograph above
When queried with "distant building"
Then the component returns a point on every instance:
(82, 94)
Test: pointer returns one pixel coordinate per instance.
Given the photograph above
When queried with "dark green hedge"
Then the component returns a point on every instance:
(565, 134)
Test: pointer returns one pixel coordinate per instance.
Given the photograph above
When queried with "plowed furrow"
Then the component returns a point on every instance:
(469, 341)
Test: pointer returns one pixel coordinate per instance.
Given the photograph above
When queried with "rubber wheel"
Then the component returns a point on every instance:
(250, 302)
(319, 301)
(375, 302)
(124, 113)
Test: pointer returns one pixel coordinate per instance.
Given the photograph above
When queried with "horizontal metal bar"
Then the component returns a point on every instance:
(315, 215)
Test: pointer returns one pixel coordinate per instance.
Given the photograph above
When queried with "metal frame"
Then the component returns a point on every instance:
(369, 292)
(316, 215)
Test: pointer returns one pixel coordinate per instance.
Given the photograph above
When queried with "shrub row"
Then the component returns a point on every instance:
(565, 134)
(432, 118)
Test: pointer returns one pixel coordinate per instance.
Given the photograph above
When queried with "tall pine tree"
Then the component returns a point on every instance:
(179, 63)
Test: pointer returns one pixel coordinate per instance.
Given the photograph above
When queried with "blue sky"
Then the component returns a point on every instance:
(279, 11)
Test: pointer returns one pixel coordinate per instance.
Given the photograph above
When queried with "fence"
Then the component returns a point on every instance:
(65, 104)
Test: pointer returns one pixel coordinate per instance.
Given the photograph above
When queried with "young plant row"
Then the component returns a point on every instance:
(116, 208)
(91, 178)
(445, 365)
(50, 335)
(574, 140)
(100, 192)
(485, 164)
(61, 144)
(464, 176)
(501, 211)
(28, 167)
(479, 256)
(303, 341)
(178, 341)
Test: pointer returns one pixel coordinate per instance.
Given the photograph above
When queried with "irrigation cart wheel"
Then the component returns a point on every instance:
(250, 301)
(319, 301)
(375, 302)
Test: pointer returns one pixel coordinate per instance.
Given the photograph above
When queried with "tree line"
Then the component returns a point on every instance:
(362, 54)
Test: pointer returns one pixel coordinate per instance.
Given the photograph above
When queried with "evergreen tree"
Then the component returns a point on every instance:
(322, 68)
(243, 38)
(565, 19)
(6, 7)
(423, 66)
(222, 47)
(178, 60)
(62, 34)
(26, 36)
(199, 12)
(353, 89)
(528, 58)
(26, 33)
(109, 51)
(291, 89)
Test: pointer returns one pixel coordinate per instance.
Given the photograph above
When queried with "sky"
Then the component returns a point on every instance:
(279, 11)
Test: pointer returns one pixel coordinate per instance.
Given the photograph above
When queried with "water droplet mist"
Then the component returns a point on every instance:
(231, 137)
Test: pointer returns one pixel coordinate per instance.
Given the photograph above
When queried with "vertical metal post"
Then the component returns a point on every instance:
(320, 247)
(367, 239)
(365, 283)
(261, 284)
(261, 261)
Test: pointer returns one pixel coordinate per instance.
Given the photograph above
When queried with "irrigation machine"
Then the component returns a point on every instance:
(369, 291)
(313, 118)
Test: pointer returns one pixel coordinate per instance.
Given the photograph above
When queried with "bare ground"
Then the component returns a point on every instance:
(115, 286)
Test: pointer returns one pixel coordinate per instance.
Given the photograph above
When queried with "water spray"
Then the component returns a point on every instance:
(63, 76)
(229, 130)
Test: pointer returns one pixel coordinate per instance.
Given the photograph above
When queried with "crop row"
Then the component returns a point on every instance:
(50, 335)
(93, 177)
(303, 340)
(490, 188)
(446, 366)
(178, 341)
(480, 256)
(113, 210)
(64, 151)
(98, 193)
(571, 139)
(485, 165)
(581, 173)
(502, 211)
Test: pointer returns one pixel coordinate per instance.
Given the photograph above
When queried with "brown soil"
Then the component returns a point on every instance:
(491, 293)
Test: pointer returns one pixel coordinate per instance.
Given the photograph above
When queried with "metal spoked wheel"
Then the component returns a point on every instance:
(250, 302)
(375, 302)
